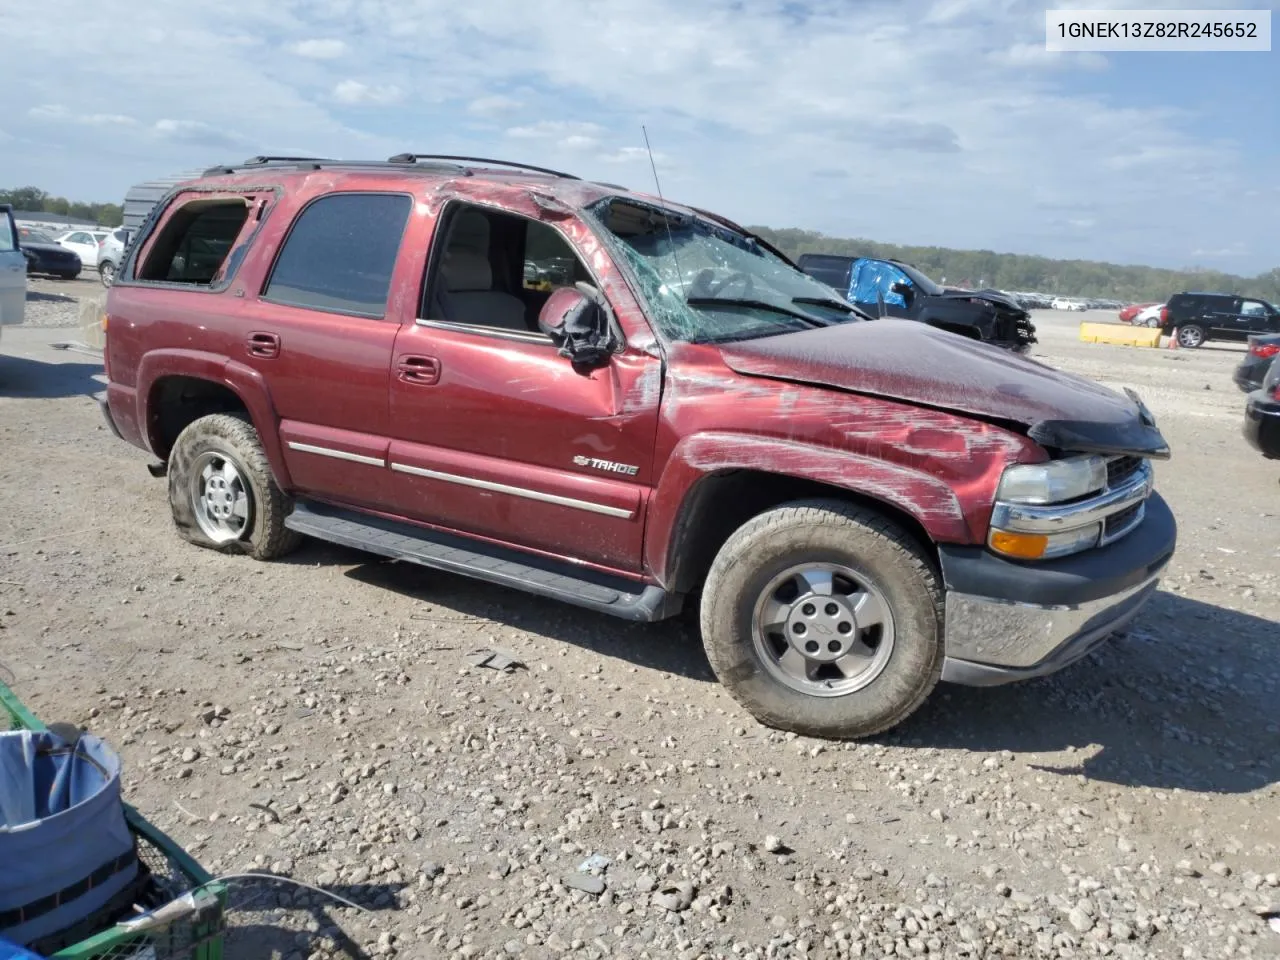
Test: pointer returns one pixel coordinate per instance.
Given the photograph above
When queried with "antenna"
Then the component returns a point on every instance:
(652, 166)
(666, 220)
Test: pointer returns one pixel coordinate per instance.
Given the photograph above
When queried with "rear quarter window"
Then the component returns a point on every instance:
(340, 254)
(191, 246)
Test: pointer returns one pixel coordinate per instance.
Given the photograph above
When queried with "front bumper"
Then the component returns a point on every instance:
(1009, 621)
(106, 413)
(1262, 424)
(1247, 380)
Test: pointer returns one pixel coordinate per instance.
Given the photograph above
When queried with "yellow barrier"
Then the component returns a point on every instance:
(1123, 335)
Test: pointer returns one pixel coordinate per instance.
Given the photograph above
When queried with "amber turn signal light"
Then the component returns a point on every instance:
(1023, 546)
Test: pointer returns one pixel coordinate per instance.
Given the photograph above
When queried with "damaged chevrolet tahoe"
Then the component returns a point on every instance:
(679, 418)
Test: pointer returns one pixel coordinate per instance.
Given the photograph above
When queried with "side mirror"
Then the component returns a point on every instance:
(577, 321)
(902, 289)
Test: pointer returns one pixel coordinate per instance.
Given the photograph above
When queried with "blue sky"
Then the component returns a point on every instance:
(915, 121)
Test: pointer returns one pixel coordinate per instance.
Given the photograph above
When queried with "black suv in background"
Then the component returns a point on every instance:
(892, 288)
(1218, 316)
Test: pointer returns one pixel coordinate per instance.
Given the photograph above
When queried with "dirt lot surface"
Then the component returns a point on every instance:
(318, 718)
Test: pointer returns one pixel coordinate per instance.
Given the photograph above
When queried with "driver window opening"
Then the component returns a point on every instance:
(496, 270)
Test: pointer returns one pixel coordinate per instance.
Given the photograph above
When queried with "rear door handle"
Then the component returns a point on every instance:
(266, 345)
(420, 370)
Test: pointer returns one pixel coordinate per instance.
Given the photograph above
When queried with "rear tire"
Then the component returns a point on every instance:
(824, 618)
(1191, 336)
(221, 491)
(107, 273)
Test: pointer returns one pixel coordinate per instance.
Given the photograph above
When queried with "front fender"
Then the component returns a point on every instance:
(933, 504)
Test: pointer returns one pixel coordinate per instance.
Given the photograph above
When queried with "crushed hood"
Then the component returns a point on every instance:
(991, 296)
(912, 362)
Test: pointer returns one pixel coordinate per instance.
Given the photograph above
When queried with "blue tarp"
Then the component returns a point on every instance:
(870, 281)
(11, 951)
(62, 831)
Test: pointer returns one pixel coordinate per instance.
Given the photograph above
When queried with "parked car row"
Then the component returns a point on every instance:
(46, 256)
(66, 255)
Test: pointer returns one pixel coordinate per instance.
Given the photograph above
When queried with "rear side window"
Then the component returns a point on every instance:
(194, 241)
(8, 235)
(340, 254)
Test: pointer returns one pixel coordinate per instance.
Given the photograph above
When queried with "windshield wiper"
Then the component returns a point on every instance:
(759, 305)
(824, 302)
(833, 302)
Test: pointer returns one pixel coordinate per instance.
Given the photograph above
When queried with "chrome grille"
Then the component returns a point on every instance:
(1118, 524)
(1120, 469)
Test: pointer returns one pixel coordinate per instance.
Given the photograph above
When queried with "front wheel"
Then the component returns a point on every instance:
(222, 493)
(824, 618)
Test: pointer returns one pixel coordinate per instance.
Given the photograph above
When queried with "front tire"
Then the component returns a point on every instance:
(221, 491)
(824, 618)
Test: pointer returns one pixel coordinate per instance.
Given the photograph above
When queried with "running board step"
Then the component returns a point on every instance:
(509, 568)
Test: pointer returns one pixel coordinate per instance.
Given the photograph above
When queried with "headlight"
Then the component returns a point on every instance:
(1056, 481)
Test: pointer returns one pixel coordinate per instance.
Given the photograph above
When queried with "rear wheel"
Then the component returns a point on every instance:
(1190, 335)
(107, 273)
(222, 493)
(824, 618)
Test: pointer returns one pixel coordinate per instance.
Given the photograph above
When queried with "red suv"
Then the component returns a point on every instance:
(596, 395)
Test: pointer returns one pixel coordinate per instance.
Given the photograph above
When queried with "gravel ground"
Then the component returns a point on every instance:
(56, 303)
(321, 718)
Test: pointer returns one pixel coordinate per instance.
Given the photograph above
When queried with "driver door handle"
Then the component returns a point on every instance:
(265, 345)
(423, 371)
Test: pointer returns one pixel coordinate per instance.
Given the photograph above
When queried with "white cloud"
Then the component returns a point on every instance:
(356, 92)
(1035, 55)
(494, 106)
(319, 49)
(632, 155)
(556, 130)
(57, 113)
(196, 133)
(928, 121)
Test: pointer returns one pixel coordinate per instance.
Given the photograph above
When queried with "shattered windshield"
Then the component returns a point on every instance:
(705, 283)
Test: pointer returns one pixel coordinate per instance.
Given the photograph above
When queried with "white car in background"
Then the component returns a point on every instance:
(1062, 303)
(83, 243)
(110, 254)
(13, 272)
(1149, 317)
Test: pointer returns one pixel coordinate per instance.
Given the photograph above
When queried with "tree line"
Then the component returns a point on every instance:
(35, 200)
(1024, 273)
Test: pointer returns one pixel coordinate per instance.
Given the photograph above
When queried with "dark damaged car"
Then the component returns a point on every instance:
(892, 288)
(46, 256)
(678, 418)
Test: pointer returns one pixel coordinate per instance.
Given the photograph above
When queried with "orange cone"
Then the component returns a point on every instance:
(1173, 339)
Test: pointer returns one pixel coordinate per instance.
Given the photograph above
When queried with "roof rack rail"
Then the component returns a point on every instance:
(271, 159)
(415, 157)
(261, 161)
